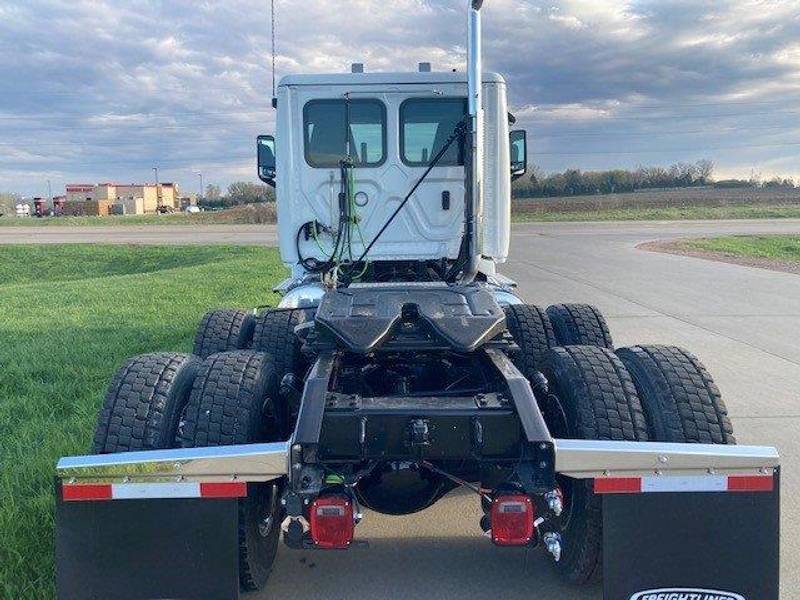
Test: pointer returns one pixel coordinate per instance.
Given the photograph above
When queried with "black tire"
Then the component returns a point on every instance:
(274, 334)
(224, 330)
(600, 402)
(532, 331)
(144, 403)
(580, 325)
(681, 401)
(233, 402)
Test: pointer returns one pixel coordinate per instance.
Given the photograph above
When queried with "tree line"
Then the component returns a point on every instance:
(238, 193)
(574, 182)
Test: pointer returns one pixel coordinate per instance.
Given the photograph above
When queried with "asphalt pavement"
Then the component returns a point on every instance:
(743, 323)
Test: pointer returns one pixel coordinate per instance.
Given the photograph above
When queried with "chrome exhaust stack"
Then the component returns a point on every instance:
(474, 208)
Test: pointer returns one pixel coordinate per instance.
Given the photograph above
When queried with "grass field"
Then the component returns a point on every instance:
(774, 247)
(69, 316)
(248, 214)
(664, 214)
(173, 219)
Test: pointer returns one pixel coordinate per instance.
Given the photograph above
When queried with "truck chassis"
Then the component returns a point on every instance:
(368, 430)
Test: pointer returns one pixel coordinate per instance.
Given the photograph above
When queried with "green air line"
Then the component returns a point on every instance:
(354, 220)
(316, 238)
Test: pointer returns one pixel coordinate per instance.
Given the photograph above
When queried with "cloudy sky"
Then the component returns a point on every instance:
(99, 90)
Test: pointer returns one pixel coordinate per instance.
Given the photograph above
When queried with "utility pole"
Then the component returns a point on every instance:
(202, 188)
(158, 188)
(49, 192)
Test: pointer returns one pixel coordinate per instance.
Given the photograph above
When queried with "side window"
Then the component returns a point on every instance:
(335, 128)
(425, 126)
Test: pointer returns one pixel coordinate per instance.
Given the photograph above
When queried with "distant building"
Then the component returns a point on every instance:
(58, 205)
(119, 198)
(79, 192)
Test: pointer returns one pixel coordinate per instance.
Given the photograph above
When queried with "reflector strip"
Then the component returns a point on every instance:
(86, 492)
(236, 489)
(145, 491)
(617, 485)
(689, 483)
(693, 483)
(756, 483)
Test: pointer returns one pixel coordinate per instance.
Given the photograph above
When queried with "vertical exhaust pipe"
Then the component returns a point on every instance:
(474, 204)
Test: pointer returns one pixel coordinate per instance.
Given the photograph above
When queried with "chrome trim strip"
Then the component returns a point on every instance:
(254, 462)
(584, 459)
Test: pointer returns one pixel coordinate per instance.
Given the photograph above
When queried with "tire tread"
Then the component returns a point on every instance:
(143, 402)
(682, 401)
(580, 325)
(223, 330)
(226, 407)
(274, 334)
(601, 403)
(532, 331)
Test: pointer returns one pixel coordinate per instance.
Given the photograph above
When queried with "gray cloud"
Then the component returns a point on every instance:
(104, 90)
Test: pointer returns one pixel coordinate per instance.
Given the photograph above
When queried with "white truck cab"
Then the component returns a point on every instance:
(390, 126)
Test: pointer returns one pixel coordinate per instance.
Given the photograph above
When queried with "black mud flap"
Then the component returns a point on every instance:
(691, 545)
(147, 549)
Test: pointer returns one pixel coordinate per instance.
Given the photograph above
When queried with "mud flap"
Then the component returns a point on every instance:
(184, 548)
(692, 545)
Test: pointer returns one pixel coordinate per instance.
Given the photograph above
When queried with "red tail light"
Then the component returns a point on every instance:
(512, 520)
(331, 521)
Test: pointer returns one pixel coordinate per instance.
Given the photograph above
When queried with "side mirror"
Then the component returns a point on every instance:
(519, 153)
(266, 159)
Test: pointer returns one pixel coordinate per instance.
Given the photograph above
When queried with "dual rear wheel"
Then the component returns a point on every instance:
(225, 393)
(235, 400)
(641, 393)
(271, 332)
(536, 330)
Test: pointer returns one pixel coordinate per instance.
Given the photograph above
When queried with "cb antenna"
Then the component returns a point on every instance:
(272, 19)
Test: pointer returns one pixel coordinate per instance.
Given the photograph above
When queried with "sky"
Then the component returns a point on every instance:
(105, 90)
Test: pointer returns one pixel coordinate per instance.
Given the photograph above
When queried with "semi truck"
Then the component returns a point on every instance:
(399, 365)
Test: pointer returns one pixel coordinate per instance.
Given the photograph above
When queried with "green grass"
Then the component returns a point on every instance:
(110, 221)
(666, 214)
(774, 247)
(69, 316)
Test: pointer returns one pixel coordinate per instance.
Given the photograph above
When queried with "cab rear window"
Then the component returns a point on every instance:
(334, 129)
(425, 126)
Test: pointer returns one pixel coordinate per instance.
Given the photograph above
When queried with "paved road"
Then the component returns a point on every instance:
(616, 232)
(744, 323)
